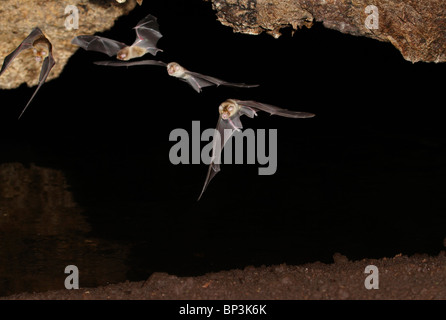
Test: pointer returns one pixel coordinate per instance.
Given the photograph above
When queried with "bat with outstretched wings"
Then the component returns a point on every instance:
(42, 49)
(196, 80)
(147, 36)
(229, 121)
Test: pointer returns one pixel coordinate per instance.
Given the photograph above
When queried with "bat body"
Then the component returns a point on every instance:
(196, 80)
(229, 121)
(42, 49)
(147, 36)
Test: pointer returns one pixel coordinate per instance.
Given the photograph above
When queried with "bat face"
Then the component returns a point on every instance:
(41, 50)
(228, 109)
(175, 70)
(123, 54)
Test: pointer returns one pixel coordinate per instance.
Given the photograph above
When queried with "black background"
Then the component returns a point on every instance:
(365, 177)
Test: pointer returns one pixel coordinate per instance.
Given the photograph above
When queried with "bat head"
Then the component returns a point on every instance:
(175, 70)
(41, 48)
(124, 54)
(228, 109)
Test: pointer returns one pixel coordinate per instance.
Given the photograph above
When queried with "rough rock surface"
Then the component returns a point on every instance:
(417, 28)
(401, 277)
(19, 17)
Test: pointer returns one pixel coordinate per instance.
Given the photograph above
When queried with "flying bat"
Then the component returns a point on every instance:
(42, 49)
(229, 121)
(196, 80)
(147, 36)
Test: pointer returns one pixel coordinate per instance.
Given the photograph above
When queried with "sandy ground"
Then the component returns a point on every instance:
(400, 277)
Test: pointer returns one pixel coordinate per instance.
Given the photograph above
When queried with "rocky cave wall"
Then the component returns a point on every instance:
(417, 28)
(19, 17)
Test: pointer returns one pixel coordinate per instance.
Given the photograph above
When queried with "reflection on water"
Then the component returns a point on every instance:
(126, 216)
(42, 230)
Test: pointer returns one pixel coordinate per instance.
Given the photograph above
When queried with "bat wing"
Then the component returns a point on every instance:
(148, 34)
(133, 63)
(257, 106)
(219, 141)
(26, 44)
(47, 65)
(198, 81)
(100, 44)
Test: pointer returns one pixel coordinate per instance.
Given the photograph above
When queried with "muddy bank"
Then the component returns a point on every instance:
(400, 277)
